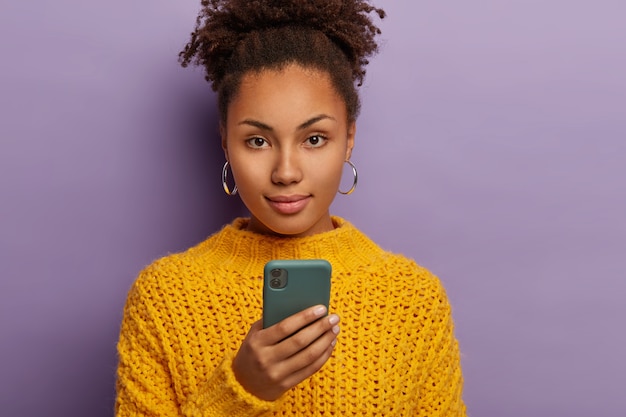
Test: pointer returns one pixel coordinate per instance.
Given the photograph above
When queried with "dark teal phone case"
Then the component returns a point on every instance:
(308, 284)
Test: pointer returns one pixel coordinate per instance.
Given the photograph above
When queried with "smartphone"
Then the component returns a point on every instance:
(290, 286)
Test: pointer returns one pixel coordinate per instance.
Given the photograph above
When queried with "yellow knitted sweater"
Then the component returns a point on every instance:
(187, 314)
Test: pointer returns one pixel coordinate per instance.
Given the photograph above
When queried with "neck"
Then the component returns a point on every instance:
(235, 246)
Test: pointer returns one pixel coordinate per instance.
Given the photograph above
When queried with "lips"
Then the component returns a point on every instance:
(289, 204)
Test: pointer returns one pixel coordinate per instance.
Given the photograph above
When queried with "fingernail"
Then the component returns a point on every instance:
(336, 329)
(320, 311)
(333, 319)
(333, 343)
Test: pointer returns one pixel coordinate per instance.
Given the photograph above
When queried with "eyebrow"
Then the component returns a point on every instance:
(308, 123)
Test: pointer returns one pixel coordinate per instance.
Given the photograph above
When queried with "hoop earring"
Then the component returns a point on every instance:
(224, 174)
(356, 178)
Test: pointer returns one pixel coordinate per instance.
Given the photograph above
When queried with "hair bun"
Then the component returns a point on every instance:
(222, 24)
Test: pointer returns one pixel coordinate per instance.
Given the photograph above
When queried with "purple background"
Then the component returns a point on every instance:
(491, 148)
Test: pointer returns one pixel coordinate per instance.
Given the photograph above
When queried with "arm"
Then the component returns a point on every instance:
(441, 382)
(147, 380)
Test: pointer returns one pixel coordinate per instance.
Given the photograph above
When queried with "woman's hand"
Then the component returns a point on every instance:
(273, 360)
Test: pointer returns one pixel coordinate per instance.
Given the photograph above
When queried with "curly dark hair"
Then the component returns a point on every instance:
(234, 37)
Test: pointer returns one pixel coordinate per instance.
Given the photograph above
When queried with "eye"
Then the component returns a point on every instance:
(257, 143)
(316, 141)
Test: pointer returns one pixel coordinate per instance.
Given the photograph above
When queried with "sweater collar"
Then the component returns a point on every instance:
(345, 247)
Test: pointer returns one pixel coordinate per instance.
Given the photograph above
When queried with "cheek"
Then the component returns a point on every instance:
(246, 175)
(327, 175)
(242, 170)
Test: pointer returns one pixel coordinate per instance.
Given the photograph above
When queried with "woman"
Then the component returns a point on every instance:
(191, 342)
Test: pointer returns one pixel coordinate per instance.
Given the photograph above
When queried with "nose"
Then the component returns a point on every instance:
(287, 168)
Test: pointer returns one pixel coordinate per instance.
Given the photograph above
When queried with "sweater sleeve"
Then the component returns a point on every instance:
(441, 381)
(145, 386)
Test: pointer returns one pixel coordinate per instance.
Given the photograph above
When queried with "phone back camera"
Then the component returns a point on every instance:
(278, 279)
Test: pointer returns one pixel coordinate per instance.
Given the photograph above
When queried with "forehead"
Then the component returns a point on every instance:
(290, 70)
(292, 92)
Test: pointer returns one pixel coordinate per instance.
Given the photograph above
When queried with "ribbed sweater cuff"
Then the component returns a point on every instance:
(222, 395)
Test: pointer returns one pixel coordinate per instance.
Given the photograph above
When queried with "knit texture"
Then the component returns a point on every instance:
(187, 314)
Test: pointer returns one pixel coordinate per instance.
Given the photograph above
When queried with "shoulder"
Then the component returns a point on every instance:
(417, 295)
(191, 270)
(172, 272)
(408, 273)
(401, 280)
(156, 280)
(377, 261)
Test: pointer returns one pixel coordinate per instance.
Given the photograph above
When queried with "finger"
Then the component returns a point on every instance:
(255, 332)
(291, 325)
(306, 363)
(256, 326)
(306, 336)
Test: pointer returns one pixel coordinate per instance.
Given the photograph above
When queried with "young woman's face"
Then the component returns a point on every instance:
(286, 137)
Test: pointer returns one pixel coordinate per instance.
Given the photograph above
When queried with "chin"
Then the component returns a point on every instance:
(290, 227)
(290, 231)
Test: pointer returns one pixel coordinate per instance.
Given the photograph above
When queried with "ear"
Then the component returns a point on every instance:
(224, 144)
(351, 136)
